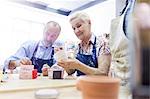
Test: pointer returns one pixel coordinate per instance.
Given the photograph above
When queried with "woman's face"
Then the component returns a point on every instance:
(82, 28)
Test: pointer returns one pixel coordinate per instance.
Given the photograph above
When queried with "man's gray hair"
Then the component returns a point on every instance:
(55, 24)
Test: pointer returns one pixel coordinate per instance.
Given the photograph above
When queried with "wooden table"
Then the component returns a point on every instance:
(25, 89)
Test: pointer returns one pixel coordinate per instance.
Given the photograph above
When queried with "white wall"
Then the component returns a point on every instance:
(120, 4)
(19, 23)
(101, 16)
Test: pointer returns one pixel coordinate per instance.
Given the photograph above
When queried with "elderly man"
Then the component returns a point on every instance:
(37, 53)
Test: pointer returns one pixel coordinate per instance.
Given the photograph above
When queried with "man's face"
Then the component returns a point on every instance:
(51, 33)
(81, 28)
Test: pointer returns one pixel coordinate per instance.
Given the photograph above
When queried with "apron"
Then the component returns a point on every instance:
(119, 45)
(90, 60)
(38, 62)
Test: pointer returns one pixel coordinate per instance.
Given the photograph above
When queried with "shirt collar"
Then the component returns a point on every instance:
(92, 39)
(41, 44)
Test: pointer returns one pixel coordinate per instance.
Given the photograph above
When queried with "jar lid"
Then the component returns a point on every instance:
(46, 94)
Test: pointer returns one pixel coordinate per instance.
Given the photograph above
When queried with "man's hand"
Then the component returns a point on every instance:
(12, 65)
(25, 61)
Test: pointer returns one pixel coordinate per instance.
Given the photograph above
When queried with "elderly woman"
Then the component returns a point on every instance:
(92, 54)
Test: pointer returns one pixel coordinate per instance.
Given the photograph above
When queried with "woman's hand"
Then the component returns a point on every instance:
(69, 64)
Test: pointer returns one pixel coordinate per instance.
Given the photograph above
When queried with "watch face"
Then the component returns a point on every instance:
(57, 74)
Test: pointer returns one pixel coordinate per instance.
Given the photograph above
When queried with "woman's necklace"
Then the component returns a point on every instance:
(85, 46)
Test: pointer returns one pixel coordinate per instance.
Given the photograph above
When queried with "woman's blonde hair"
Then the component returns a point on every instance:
(81, 15)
